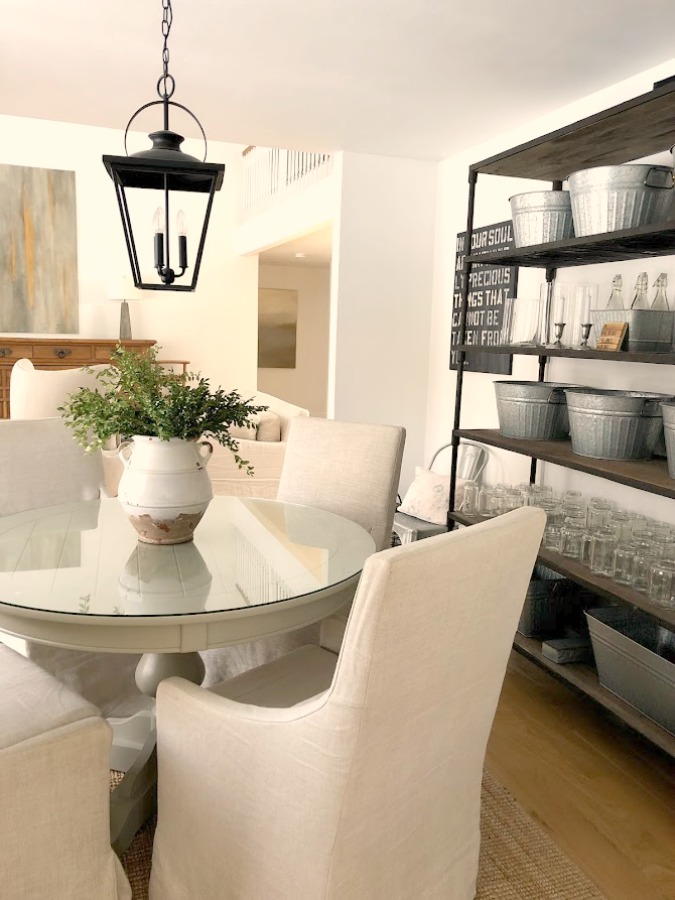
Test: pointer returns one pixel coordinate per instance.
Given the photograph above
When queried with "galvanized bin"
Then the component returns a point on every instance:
(532, 410)
(648, 329)
(610, 198)
(541, 216)
(668, 411)
(546, 604)
(635, 658)
(606, 424)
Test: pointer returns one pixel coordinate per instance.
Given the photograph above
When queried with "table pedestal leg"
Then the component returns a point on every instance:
(155, 667)
(134, 799)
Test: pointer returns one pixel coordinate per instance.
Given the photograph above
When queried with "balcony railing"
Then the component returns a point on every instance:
(272, 175)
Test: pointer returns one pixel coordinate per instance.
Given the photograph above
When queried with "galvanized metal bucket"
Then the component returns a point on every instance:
(668, 410)
(648, 329)
(532, 410)
(541, 216)
(610, 198)
(606, 424)
(633, 655)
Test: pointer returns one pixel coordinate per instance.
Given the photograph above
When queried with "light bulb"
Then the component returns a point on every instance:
(158, 221)
(181, 223)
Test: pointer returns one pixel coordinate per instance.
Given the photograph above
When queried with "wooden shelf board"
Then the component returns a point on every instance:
(633, 356)
(599, 584)
(615, 246)
(645, 475)
(584, 678)
(630, 130)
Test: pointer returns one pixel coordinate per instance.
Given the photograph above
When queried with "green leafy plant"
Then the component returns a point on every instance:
(138, 396)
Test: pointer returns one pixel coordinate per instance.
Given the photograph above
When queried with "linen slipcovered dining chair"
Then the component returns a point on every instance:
(41, 465)
(316, 776)
(54, 791)
(348, 468)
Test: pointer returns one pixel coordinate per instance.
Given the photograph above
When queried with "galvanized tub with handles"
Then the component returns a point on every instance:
(607, 424)
(540, 217)
(610, 198)
(532, 410)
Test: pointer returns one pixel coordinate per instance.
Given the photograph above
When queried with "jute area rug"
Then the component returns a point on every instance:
(518, 860)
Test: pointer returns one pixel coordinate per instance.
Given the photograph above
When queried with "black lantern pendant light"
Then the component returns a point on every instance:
(167, 170)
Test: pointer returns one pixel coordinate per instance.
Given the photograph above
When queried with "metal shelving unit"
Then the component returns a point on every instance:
(631, 130)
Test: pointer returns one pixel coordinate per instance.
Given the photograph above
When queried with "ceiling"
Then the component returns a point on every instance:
(412, 78)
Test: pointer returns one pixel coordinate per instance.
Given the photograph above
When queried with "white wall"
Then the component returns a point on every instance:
(381, 291)
(307, 384)
(216, 326)
(478, 404)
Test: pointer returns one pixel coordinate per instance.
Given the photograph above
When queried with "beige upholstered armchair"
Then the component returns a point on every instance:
(348, 468)
(355, 776)
(54, 791)
(41, 465)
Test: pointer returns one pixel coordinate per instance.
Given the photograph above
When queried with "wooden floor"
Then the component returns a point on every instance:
(604, 794)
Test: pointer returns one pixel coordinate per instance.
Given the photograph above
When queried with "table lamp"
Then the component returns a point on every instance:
(122, 288)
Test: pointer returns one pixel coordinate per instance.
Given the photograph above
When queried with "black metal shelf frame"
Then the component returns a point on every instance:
(631, 130)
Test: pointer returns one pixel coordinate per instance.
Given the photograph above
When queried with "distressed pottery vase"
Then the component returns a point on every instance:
(165, 488)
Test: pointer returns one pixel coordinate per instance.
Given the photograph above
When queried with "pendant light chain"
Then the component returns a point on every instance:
(166, 84)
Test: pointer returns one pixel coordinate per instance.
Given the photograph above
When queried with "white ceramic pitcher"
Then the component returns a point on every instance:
(165, 488)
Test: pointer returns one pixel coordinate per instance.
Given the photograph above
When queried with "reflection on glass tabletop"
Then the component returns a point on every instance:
(84, 558)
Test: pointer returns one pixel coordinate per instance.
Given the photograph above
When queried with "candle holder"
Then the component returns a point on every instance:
(559, 328)
(585, 333)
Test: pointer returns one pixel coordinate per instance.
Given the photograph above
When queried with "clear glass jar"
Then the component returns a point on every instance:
(470, 502)
(603, 545)
(624, 563)
(552, 539)
(571, 540)
(644, 557)
(662, 584)
(484, 500)
(598, 515)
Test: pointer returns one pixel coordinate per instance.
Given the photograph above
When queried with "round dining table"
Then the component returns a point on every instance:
(76, 576)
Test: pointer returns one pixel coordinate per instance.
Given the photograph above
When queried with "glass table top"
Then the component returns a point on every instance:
(85, 559)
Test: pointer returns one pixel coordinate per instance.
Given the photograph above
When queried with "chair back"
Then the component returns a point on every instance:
(347, 468)
(416, 687)
(41, 465)
(38, 393)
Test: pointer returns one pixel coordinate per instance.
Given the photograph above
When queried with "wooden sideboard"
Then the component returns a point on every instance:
(55, 353)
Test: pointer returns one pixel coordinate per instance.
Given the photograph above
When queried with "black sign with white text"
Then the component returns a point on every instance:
(489, 287)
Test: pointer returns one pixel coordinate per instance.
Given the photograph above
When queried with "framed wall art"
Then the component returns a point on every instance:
(38, 251)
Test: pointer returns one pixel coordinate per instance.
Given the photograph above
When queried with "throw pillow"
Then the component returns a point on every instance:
(269, 426)
(428, 495)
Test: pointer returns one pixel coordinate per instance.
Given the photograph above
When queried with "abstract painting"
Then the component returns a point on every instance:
(277, 328)
(38, 251)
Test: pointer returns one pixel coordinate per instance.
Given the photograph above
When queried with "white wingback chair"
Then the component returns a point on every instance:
(54, 791)
(41, 465)
(38, 393)
(354, 776)
(347, 468)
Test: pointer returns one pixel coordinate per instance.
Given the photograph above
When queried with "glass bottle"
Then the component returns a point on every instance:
(660, 300)
(640, 300)
(616, 296)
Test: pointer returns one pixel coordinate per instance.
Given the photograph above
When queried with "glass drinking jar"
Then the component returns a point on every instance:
(484, 500)
(552, 539)
(470, 502)
(662, 584)
(603, 545)
(644, 557)
(571, 539)
(598, 515)
(624, 563)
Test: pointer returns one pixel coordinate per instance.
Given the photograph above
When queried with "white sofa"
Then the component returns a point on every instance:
(264, 447)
